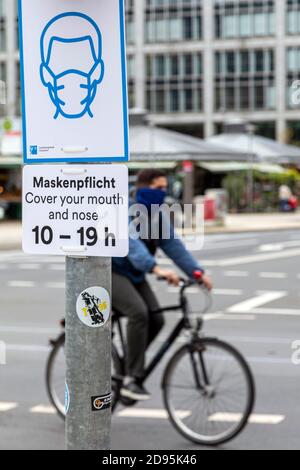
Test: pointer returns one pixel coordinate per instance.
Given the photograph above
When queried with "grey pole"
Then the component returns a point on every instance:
(88, 359)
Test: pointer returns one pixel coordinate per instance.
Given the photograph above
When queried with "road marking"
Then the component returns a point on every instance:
(22, 284)
(57, 267)
(29, 267)
(28, 330)
(254, 419)
(271, 247)
(43, 409)
(226, 316)
(253, 258)
(7, 406)
(197, 290)
(249, 306)
(150, 413)
(273, 275)
(230, 292)
(236, 273)
(28, 284)
(221, 246)
(147, 413)
(253, 305)
(236, 317)
(27, 348)
(277, 311)
(207, 316)
(260, 340)
(279, 246)
(55, 285)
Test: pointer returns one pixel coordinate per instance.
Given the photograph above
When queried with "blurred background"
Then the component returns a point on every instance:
(214, 94)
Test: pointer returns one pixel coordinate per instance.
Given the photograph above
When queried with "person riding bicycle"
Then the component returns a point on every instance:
(132, 294)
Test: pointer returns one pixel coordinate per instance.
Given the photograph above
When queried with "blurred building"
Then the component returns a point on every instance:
(195, 63)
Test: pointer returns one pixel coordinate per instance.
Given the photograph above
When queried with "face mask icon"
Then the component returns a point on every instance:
(71, 63)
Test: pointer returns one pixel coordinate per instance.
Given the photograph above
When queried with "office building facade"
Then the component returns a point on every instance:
(195, 63)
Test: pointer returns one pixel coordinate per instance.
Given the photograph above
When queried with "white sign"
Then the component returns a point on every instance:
(75, 210)
(74, 87)
(93, 307)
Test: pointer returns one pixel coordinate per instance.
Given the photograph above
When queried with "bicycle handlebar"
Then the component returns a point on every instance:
(186, 283)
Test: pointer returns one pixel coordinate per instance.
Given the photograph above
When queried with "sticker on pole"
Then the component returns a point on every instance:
(101, 402)
(93, 307)
(67, 399)
(75, 210)
(73, 74)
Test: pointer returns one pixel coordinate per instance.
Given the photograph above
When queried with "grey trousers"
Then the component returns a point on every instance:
(137, 301)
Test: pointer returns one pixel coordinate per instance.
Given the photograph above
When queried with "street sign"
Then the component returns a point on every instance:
(75, 210)
(74, 87)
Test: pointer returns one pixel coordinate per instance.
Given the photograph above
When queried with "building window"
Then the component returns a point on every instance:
(18, 101)
(293, 132)
(2, 27)
(238, 19)
(3, 80)
(174, 83)
(293, 16)
(131, 81)
(173, 20)
(263, 128)
(293, 77)
(245, 80)
(130, 25)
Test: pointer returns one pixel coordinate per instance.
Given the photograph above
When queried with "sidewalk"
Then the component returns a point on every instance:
(11, 233)
(257, 222)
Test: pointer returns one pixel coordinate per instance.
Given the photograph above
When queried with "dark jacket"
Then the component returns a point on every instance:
(141, 257)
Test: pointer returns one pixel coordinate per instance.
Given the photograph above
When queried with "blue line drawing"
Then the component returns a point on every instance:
(121, 157)
(72, 86)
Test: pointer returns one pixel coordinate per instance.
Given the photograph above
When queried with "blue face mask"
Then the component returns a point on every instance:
(73, 93)
(149, 197)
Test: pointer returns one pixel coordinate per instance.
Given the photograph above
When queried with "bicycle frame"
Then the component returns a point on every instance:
(184, 323)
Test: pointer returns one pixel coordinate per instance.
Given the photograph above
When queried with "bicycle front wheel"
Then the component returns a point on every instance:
(208, 391)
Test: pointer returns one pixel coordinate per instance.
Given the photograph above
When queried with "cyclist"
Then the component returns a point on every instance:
(132, 294)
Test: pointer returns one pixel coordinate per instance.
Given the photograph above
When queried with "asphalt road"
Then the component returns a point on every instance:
(256, 307)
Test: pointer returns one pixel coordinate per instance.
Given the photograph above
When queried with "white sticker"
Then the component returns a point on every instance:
(93, 307)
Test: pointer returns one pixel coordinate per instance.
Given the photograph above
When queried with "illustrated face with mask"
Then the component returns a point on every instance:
(72, 67)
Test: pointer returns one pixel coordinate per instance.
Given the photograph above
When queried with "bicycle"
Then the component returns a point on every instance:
(208, 387)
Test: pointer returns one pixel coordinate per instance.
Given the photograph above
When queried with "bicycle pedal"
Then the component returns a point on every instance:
(127, 402)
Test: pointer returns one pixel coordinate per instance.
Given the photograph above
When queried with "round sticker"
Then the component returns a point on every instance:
(93, 307)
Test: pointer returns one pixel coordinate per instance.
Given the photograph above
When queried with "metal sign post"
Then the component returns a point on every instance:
(74, 93)
(88, 359)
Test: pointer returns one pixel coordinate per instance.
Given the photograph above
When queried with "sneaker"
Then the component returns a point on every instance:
(135, 392)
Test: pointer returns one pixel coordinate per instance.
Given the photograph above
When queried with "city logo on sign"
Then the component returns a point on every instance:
(72, 87)
(33, 150)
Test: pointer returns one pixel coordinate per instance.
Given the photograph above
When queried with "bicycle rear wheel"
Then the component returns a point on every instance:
(56, 376)
(209, 392)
